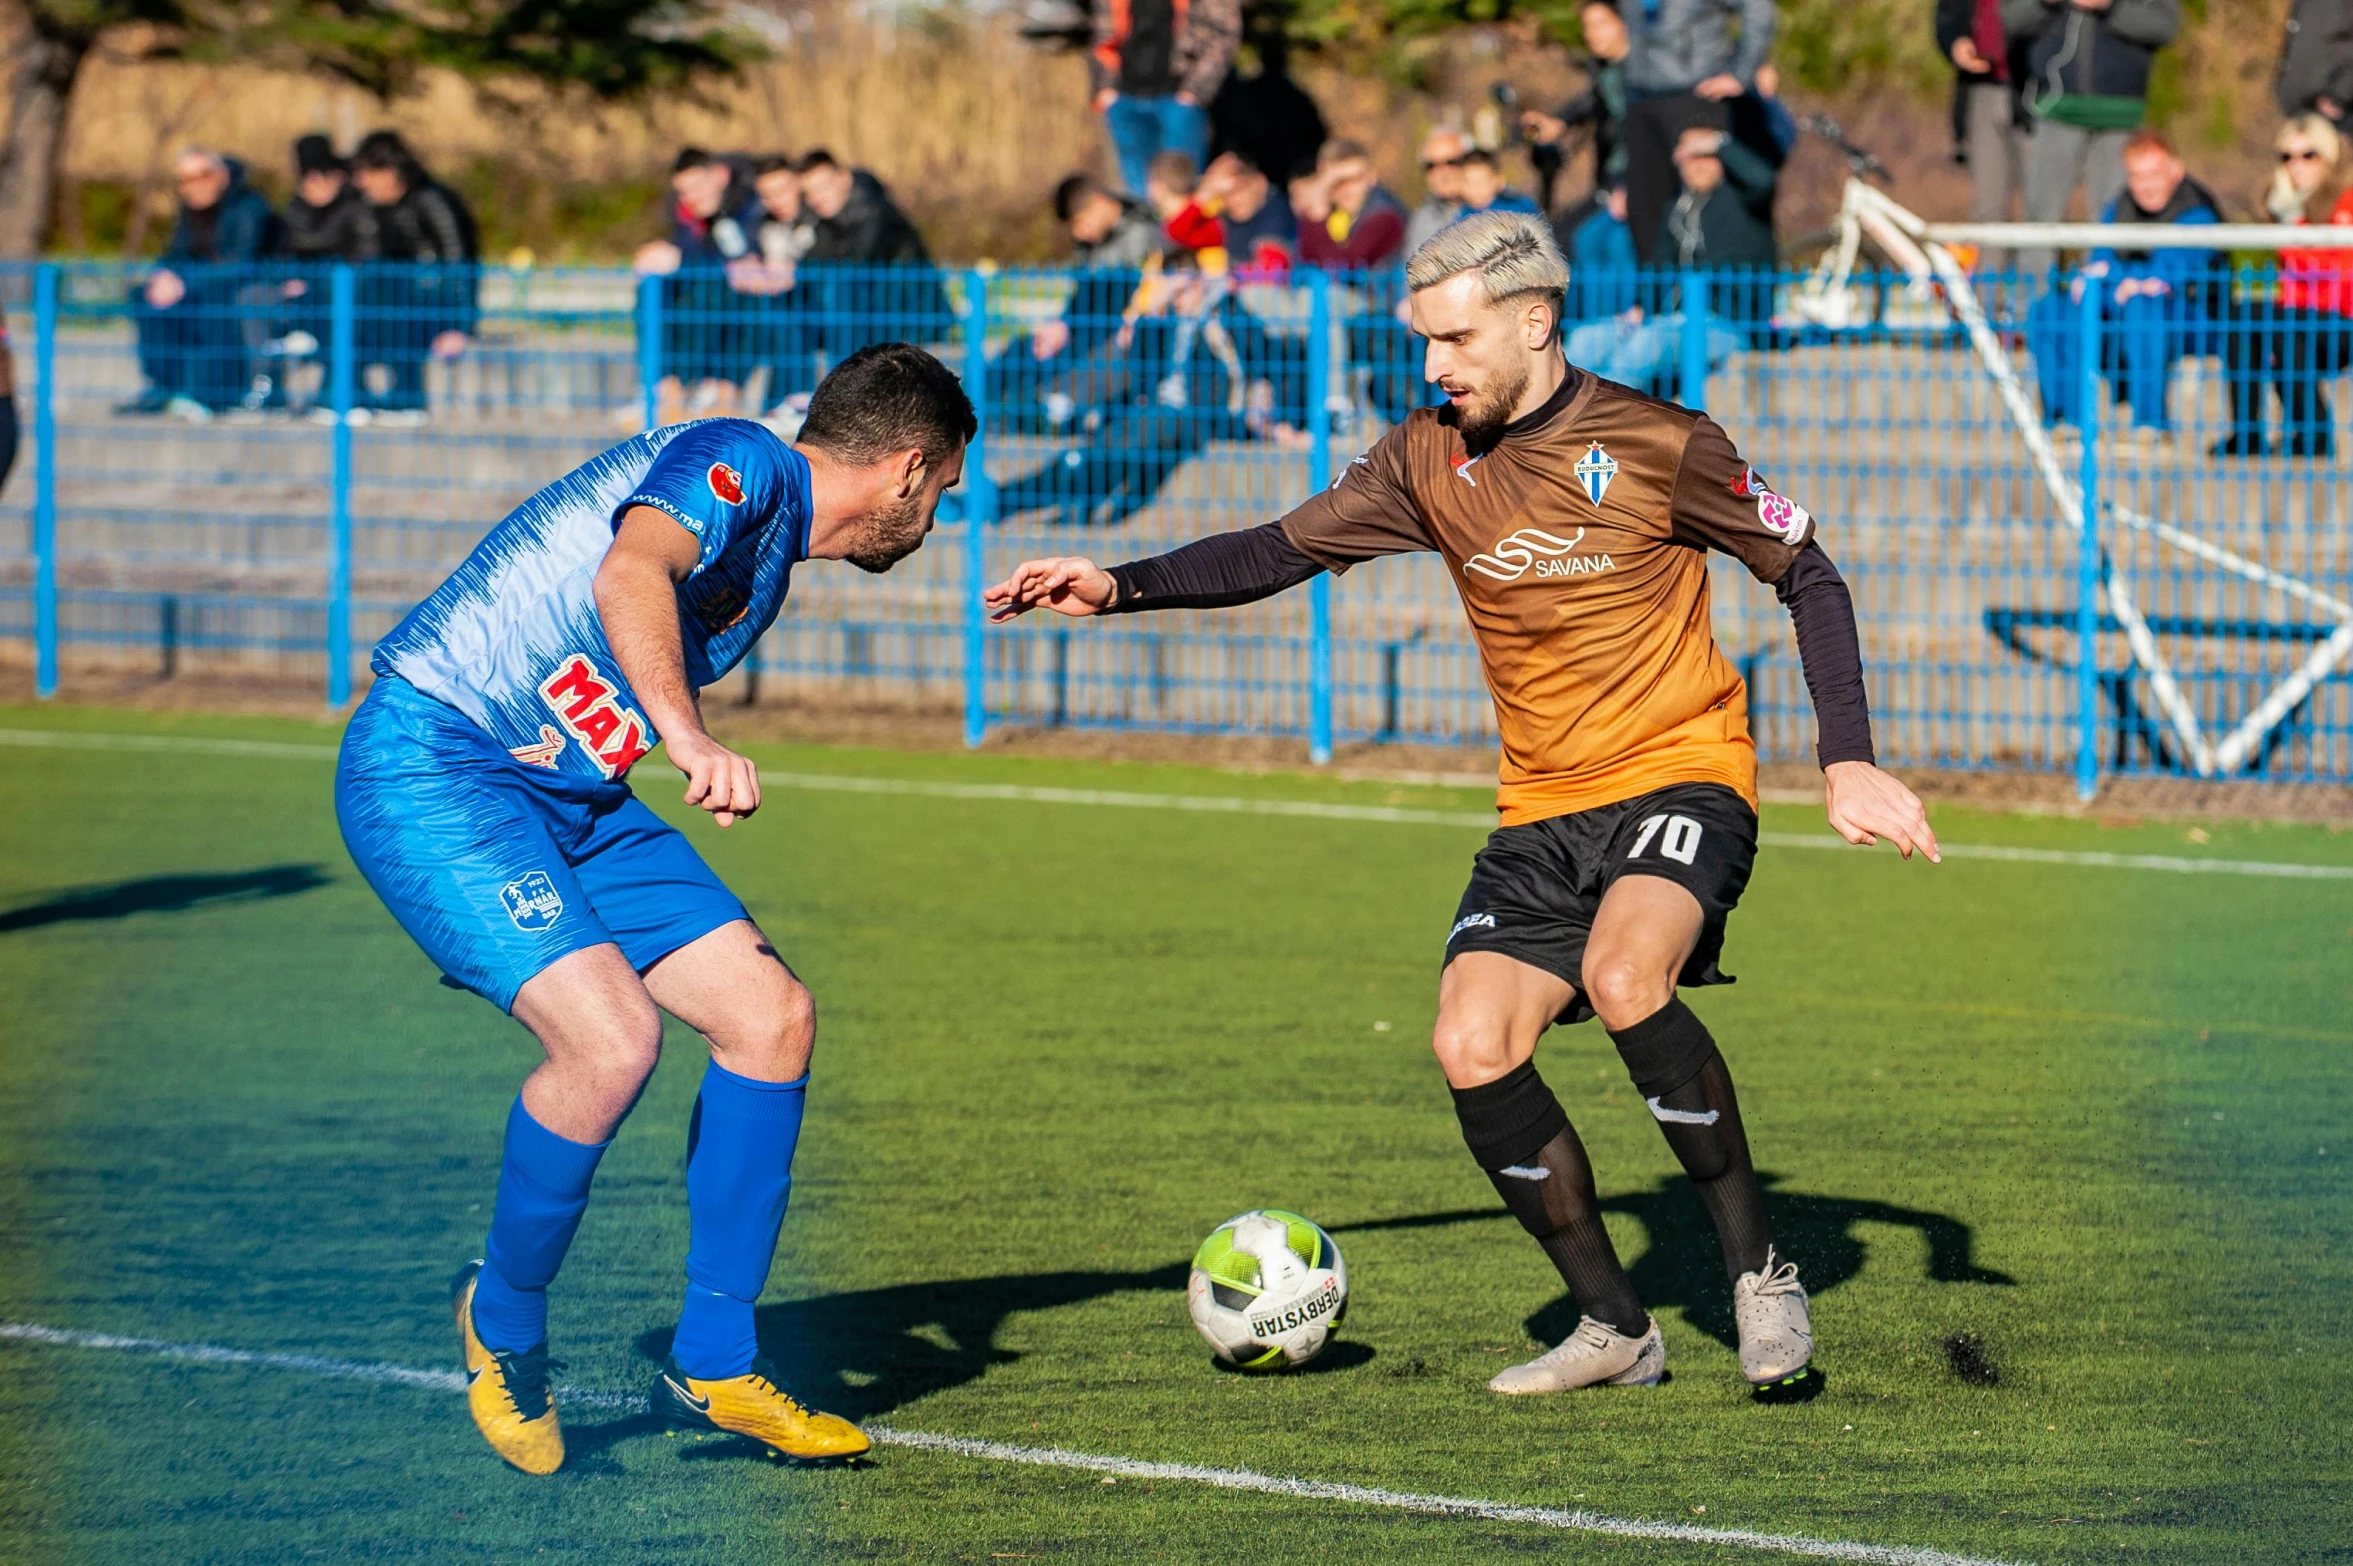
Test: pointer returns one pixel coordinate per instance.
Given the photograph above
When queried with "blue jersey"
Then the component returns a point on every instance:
(513, 639)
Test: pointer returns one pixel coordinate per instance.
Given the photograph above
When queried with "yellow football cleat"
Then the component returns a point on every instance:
(507, 1393)
(754, 1405)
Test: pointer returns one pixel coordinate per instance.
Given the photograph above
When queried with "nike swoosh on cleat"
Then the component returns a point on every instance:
(701, 1405)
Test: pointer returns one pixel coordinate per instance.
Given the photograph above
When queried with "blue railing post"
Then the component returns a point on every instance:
(649, 346)
(1694, 343)
(2087, 549)
(1319, 479)
(342, 349)
(980, 510)
(45, 480)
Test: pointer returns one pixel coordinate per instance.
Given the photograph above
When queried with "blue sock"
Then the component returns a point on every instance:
(542, 1191)
(739, 1159)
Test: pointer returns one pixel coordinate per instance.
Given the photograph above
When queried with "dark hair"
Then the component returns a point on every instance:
(772, 163)
(1478, 155)
(1175, 172)
(1073, 192)
(815, 158)
(386, 150)
(315, 154)
(691, 158)
(886, 398)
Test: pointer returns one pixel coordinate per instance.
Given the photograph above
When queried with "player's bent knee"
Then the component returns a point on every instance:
(1623, 991)
(772, 1040)
(1472, 1049)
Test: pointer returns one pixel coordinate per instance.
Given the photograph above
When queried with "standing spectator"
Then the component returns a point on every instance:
(419, 302)
(2087, 86)
(704, 333)
(1268, 120)
(2161, 301)
(1442, 154)
(2316, 60)
(192, 346)
(1683, 65)
(1484, 188)
(1347, 218)
(2303, 334)
(1986, 109)
(1602, 106)
(1156, 65)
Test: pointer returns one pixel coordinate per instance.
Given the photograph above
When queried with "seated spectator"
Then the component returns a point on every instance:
(1112, 240)
(327, 220)
(1603, 268)
(706, 347)
(1441, 203)
(1602, 106)
(8, 426)
(1171, 189)
(1484, 190)
(417, 299)
(1189, 367)
(2303, 334)
(1721, 223)
(192, 344)
(1262, 236)
(1347, 219)
(2160, 303)
(781, 348)
(856, 220)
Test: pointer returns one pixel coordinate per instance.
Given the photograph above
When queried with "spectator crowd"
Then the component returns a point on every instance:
(1178, 327)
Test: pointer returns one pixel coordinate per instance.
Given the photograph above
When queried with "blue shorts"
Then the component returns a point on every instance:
(496, 868)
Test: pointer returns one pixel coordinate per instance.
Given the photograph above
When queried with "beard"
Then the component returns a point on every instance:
(1482, 419)
(889, 536)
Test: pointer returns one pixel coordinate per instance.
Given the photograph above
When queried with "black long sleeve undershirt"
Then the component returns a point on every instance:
(1226, 569)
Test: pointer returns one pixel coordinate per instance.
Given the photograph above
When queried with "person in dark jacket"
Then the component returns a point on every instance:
(860, 230)
(192, 341)
(418, 300)
(1268, 120)
(328, 219)
(1601, 108)
(1683, 65)
(2316, 60)
(2087, 87)
(708, 332)
(1112, 240)
(1989, 135)
(2162, 303)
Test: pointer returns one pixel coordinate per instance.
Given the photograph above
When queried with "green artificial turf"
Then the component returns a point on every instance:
(2078, 1113)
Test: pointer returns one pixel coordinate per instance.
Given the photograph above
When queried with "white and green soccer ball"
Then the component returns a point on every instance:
(1267, 1290)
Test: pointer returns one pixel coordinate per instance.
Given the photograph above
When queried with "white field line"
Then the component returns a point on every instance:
(1578, 1521)
(1216, 804)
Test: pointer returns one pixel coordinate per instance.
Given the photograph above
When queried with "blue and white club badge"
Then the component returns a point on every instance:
(1594, 470)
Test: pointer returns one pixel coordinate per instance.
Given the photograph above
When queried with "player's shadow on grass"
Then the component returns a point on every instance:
(164, 894)
(1682, 1267)
(865, 1353)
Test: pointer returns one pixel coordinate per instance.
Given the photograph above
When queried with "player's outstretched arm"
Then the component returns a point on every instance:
(637, 598)
(1216, 572)
(1066, 584)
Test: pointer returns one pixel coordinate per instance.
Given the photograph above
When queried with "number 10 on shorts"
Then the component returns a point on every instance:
(1678, 838)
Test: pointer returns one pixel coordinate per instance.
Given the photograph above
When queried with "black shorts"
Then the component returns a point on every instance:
(1534, 888)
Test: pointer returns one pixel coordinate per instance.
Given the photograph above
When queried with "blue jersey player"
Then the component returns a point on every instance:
(482, 792)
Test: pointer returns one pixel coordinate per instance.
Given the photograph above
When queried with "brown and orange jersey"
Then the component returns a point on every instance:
(1578, 542)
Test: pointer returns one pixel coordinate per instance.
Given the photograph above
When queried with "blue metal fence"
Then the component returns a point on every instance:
(261, 472)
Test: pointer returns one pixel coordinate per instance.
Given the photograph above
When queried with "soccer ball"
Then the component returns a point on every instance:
(1267, 1290)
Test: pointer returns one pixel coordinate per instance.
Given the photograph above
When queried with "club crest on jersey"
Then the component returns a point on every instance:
(532, 902)
(1595, 470)
(588, 705)
(726, 483)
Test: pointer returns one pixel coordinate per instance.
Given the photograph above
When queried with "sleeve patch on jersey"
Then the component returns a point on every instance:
(1750, 484)
(726, 483)
(1780, 515)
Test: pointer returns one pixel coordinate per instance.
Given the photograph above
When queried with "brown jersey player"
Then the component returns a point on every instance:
(1575, 517)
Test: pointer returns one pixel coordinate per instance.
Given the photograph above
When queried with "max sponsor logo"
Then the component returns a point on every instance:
(726, 483)
(1529, 549)
(589, 706)
(1291, 1317)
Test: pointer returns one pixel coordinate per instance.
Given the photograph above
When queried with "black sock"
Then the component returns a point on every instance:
(1683, 1078)
(1520, 1135)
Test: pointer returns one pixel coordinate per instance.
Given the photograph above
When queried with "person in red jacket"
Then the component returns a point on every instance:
(1347, 219)
(2302, 335)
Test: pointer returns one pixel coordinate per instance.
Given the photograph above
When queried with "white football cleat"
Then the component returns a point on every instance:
(1776, 1330)
(1594, 1355)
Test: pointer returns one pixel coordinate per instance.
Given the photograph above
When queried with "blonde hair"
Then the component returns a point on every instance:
(2281, 198)
(1513, 253)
